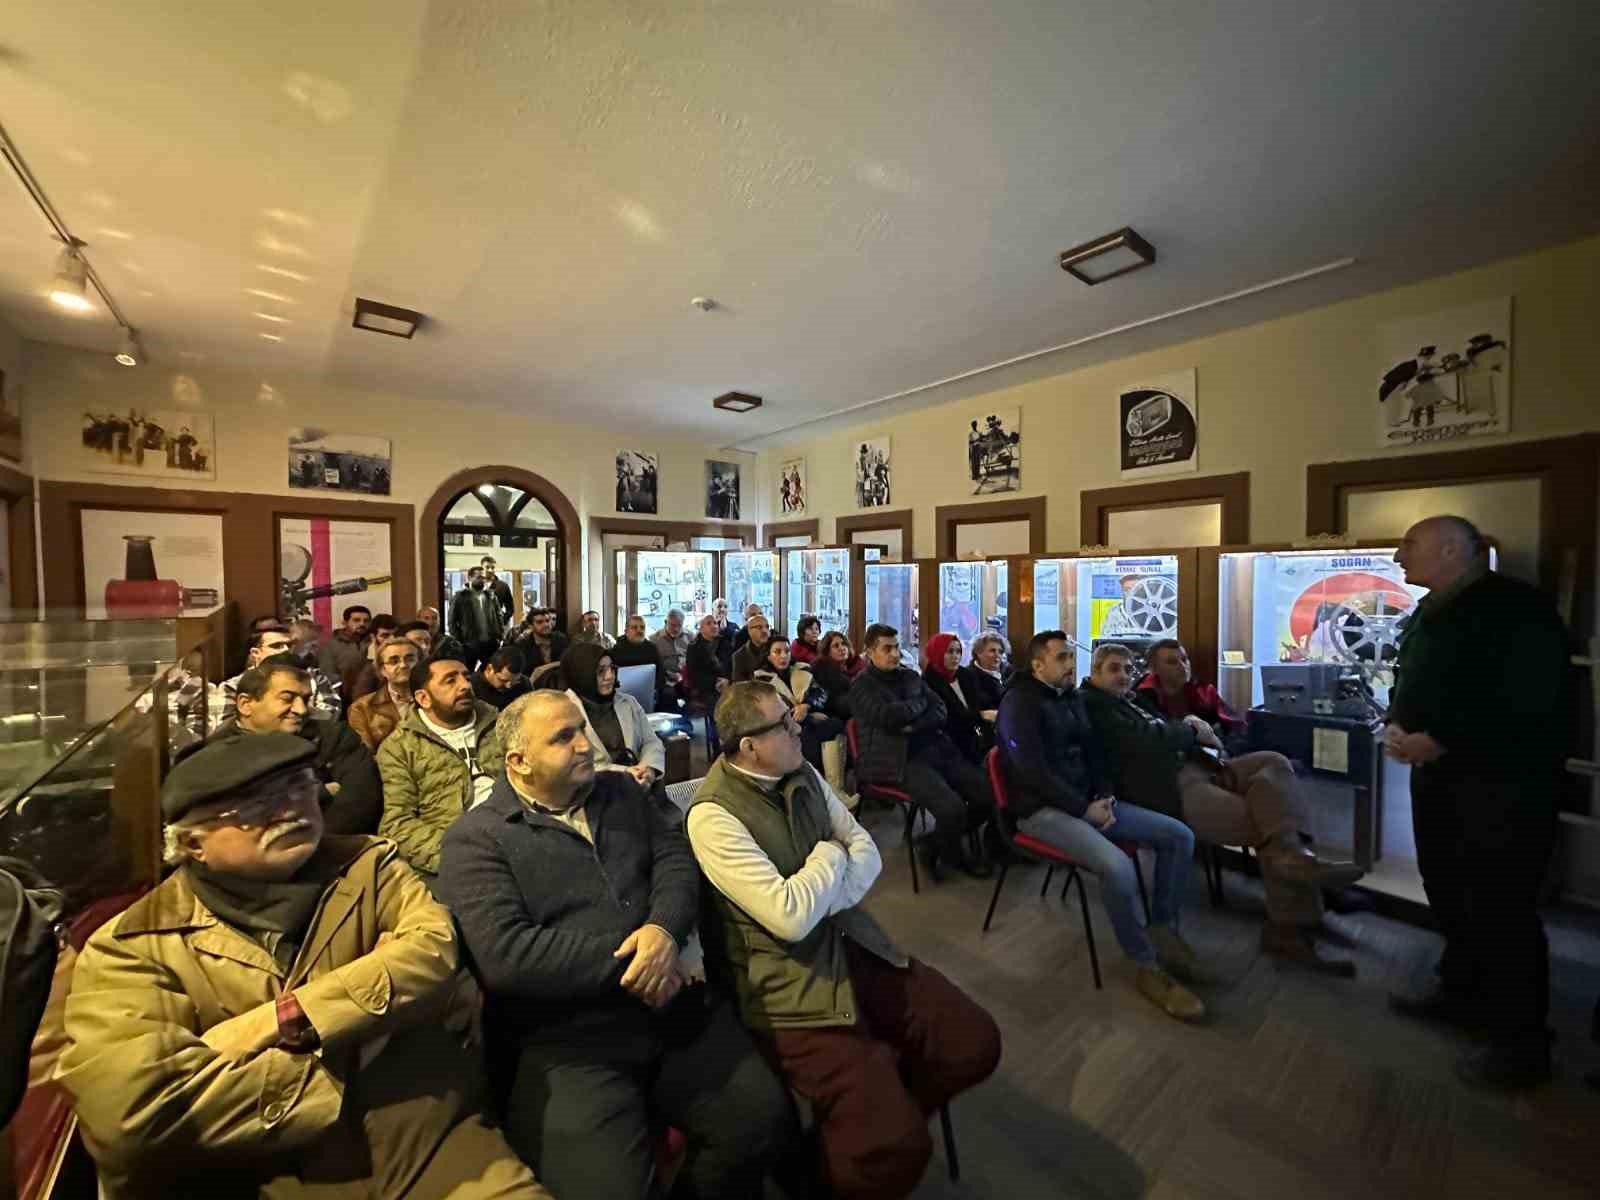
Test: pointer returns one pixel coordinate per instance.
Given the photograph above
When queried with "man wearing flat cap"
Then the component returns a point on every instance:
(283, 1016)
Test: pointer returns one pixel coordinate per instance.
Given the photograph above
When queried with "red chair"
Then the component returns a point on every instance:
(1034, 849)
(894, 795)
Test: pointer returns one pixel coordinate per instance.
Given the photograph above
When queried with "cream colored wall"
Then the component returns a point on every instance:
(1274, 397)
(433, 437)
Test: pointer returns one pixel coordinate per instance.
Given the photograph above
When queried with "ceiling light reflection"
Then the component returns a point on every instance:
(116, 235)
(284, 272)
(269, 337)
(276, 245)
(277, 320)
(284, 217)
(266, 295)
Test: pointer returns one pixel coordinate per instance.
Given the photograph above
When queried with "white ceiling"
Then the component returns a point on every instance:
(875, 191)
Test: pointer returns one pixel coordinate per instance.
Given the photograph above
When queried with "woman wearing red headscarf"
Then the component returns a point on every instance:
(972, 735)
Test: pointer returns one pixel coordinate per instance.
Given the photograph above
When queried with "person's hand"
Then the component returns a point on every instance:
(1203, 732)
(721, 684)
(655, 955)
(668, 991)
(646, 776)
(801, 711)
(249, 1033)
(990, 715)
(1416, 749)
(1099, 813)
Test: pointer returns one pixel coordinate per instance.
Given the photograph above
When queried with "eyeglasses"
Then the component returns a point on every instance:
(258, 813)
(786, 721)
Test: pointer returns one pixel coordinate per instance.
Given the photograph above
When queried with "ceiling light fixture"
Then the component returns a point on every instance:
(1107, 257)
(129, 352)
(376, 317)
(739, 402)
(69, 290)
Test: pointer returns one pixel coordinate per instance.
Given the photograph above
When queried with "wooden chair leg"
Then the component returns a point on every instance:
(995, 899)
(952, 1161)
(1088, 929)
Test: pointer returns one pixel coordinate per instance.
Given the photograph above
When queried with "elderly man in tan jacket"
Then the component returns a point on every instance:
(283, 1017)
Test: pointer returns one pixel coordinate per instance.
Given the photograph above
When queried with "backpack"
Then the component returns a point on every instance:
(29, 912)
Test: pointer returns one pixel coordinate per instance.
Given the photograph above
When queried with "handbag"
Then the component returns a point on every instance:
(30, 915)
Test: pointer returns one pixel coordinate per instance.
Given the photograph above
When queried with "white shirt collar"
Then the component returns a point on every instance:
(753, 774)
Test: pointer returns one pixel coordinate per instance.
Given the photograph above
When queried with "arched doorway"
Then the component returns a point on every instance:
(521, 519)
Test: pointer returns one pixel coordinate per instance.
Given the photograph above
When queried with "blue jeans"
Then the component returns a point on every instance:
(1172, 841)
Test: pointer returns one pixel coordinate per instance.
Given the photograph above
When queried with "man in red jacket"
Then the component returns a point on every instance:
(1169, 689)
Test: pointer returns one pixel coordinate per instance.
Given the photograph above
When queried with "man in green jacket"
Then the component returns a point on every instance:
(1481, 712)
(441, 761)
(876, 1040)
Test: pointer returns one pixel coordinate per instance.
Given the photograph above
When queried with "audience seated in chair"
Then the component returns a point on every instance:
(440, 762)
(900, 723)
(269, 640)
(369, 678)
(836, 669)
(819, 732)
(274, 698)
(283, 1016)
(984, 679)
(704, 675)
(500, 680)
(376, 715)
(588, 631)
(615, 724)
(1169, 690)
(972, 735)
(635, 649)
(753, 650)
(1059, 788)
(672, 643)
(1178, 768)
(574, 899)
(807, 639)
(875, 1040)
(539, 639)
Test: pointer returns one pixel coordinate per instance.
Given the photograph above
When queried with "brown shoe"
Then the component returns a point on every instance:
(1175, 954)
(1289, 943)
(1167, 994)
(1295, 864)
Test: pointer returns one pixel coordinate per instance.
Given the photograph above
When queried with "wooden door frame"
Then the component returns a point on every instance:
(948, 519)
(1566, 468)
(810, 529)
(903, 519)
(1232, 492)
(16, 492)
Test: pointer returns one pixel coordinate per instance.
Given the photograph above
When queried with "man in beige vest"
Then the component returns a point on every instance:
(875, 1040)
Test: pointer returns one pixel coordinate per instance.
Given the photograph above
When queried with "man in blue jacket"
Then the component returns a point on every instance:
(574, 898)
(1059, 791)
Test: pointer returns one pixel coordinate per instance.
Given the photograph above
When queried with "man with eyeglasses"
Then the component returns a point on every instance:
(274, 698)
(272, 638)
(577, 901)
(376, 715)
(441, 761)
(265, 1021)
(876, 1040)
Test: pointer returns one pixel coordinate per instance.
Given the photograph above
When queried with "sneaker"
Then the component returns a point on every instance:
(1167, 994)
(1175, 954)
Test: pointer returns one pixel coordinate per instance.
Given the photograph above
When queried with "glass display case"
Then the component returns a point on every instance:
(817, 582)
(1341, 607)
(1130, 599)
(973, 599)
(652, 582)
(751, 577)
(891, 599)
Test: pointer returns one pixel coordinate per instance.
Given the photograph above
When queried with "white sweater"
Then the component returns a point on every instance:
(636, 733)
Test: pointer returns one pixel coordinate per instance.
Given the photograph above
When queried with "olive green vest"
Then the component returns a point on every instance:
(786, 985)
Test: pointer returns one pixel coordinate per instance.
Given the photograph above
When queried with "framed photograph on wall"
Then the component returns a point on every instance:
(1158, 425)
(638, 476)
(145, 564)
(872, 473)
(994, 450)
(1446, 375)
(792, 487)
(325, 565)
(157, 443)
(339, 462)
(722, 490)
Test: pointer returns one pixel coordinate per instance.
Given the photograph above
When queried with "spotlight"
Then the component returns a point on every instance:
(129, 352)
(69, 291)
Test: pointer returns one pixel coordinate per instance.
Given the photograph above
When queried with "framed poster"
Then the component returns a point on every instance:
(1159, 426)
(994, 451)
(722, 490)
(638, 478)
(792, 487)
(1446, 375)
(147, 564)
(154, 442)
(325, 565)
(339, 462)
(872, 473)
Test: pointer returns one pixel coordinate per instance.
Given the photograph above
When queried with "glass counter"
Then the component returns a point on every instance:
(973, 599)
(818, 582)
(891, 599)
(1132, 600)
(751, 577)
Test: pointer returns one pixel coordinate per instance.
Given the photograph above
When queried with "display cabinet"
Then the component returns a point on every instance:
(973, 598)
(820, 581)
(751, 577)
(892, 598)
(1133, 599)
(653, 582)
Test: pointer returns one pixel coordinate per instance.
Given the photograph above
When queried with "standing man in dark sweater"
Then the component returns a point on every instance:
(900, 728)
(1480, 711)
(574, 898)
(498, 588)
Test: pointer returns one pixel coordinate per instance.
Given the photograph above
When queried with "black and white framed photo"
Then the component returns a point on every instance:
(637, 480)
(1159, 425)
(1445, 375)
(164, 443)
(722, 490)
(872, 473)
(994, 451)
(339, 462)
(792, 487)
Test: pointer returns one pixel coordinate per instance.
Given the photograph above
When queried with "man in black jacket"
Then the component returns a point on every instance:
(574, 898)
(750, 655)
(902, 744)
(1480, 710)
(273, 697)
(1178, 768)
(475, 619)
(498, 588)
(1059, 788)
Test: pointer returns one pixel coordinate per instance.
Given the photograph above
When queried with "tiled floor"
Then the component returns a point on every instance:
(1295, 1087)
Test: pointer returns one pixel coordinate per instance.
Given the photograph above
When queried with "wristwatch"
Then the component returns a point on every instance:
(296, 1033)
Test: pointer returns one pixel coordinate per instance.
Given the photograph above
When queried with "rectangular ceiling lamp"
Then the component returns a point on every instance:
(1107, 257)
(737, 401)
(385, 318)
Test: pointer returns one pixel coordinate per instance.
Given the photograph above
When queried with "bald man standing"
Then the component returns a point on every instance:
(1480, 712)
